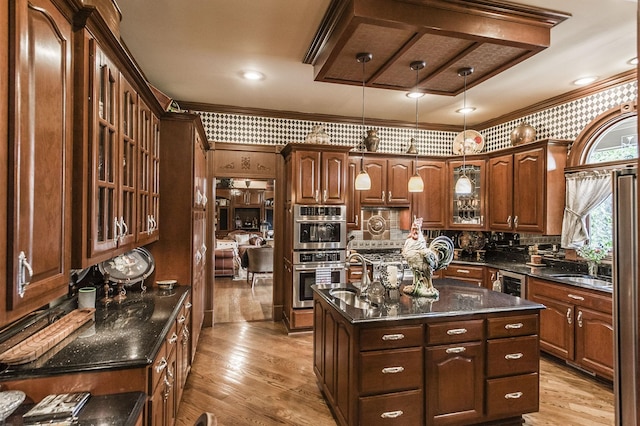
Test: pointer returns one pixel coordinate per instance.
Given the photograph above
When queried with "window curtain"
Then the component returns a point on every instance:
(585, 191)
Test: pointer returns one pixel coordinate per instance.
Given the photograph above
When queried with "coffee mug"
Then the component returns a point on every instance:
(86, 297)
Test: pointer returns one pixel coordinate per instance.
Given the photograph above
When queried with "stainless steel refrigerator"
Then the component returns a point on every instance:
(625, 298)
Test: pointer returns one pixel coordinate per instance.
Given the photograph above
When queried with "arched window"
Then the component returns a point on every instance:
(608, 142)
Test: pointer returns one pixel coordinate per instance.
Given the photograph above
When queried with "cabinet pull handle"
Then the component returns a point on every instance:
(155, 222)
(125, 228)
(173, 338)
(509, 221)
(517, 355)
(456, 331)
(513, 326)
(398, 336)
(392, 370)
(149, 224)
(515, 222)
(162, 365)
(185, 335)
(574, 297)
(568, 315)
(580, 319)
(383, 196)
(324, 195)
(390, 197)
(316, 195)
(513, 395)
(23, 282)
(463, 271)
(391, 414)
(117, 230)
(188, 305)
(456, 350)
(181, 319)
(357, 220)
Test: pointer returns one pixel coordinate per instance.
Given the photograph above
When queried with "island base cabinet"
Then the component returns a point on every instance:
(513, 395)
(401, 409)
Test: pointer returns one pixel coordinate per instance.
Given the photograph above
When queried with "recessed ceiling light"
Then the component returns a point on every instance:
(414, 95)
(633, 61)
(252, 75)
(584, 81)
(466, 110)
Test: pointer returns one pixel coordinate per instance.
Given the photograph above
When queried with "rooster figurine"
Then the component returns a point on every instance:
(424, 260)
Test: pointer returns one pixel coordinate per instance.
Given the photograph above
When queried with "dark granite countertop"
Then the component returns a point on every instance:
(542, 272)
(127, 334)
(456, 299)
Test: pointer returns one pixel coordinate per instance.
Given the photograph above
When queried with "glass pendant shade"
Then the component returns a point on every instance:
(363, 181)
(463, 186)
(416, 184)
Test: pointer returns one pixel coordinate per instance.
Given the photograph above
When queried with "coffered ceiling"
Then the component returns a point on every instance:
(523, 54)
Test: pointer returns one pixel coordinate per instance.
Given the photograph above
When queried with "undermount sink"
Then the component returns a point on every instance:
(584, 279)
(349, 297)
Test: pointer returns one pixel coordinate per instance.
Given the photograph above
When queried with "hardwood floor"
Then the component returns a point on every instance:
(253, 373)
(235, 300)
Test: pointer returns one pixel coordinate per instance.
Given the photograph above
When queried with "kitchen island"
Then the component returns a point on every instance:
(469, 357)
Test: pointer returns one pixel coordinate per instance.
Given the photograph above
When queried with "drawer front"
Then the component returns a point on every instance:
(464, 271)
(455, 332)
(518, 355)
(397, 409)
(390, 337)
(513, 395)
(597, 300)
(512, 326)
(390, 371)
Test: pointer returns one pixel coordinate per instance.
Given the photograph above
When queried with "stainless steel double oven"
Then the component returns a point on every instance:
(319, 249)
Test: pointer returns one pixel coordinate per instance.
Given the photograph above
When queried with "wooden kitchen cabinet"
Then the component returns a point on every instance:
(577, 325)
(319, 174)
(431, 204)
(40, 143)
(526, 188)
(148, 185)
(467, 211)
(468, 273)
(389, 181)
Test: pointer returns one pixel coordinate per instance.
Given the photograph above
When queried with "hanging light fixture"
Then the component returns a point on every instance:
(416, 184)
(363, 180)
(463, 184)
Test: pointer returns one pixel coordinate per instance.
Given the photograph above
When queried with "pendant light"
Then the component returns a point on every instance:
(416, 184)
(463, 184)
(363, 180)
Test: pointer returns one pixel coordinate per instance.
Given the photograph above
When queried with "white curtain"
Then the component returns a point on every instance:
(585, 191)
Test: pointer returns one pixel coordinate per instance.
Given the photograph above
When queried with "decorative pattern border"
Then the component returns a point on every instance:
(564, 121)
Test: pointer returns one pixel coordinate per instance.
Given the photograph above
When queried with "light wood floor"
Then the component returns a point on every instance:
(251, 372)
(234, 300)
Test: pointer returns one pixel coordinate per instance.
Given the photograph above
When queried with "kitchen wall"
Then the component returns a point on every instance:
(564, 121)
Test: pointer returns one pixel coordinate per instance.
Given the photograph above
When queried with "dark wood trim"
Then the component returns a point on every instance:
(232, 146)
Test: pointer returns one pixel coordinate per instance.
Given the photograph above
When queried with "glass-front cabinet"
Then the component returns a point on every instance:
(467, 211)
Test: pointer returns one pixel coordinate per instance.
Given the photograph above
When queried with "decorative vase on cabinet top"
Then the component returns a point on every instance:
(317, 135)
(372, 140)
(523, 133)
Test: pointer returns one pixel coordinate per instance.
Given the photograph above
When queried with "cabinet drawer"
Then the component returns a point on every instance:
(390, 371)
(402, 409)
(571, 294)
(521, 325)
(464, 271)
(454, 332)
(512, 395)
(506, 357)
(390, 337)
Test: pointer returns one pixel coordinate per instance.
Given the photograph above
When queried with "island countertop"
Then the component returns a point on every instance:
(456, 299)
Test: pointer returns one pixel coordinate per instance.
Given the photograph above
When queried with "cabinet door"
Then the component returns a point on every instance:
(334, 175)
(146, 230)
(529, 180)
(454, 380)
(398, 173)
(377, 170)
(556, 325)
(198, 272)
(40, 144)
(154, 178)
(500, 184)
(126, 163)
(467, 211)
(594, 341)
(353, 196)
(430, 204)
(307, 176)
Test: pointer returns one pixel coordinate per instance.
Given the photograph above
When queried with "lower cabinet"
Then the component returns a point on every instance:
(468, 273)
(427, 371)
(577, 325)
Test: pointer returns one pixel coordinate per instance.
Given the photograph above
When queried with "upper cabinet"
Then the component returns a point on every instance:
(319, 173)
(467, 211)
(148, 188)
(389, 181)
(527, 188)
(39, 161)
(430, 204)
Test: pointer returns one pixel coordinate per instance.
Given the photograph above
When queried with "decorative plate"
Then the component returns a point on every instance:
(129, 268)
(473, 142)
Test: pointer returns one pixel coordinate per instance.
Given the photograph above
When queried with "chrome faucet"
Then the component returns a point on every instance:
(365, 281)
